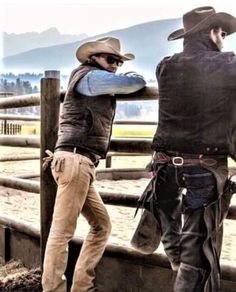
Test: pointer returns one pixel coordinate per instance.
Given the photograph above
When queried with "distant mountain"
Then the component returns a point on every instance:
(18, 43)
(148, 41)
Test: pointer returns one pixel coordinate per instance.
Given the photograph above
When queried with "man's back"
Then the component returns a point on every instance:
(195, 135)
(197, 104)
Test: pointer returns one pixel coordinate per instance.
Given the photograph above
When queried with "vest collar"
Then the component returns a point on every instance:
(197, 45)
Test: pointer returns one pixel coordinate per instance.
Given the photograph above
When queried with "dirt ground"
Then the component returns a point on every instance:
(14, 277)
(24, 207)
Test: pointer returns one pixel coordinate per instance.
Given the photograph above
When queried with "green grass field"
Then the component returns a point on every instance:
(144, 131)
(141, 131)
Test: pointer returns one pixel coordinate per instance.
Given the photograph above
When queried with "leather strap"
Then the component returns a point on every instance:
(91, 156)
(182, 159)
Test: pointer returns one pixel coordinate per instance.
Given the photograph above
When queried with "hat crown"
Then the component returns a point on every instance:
(195, 16)
(204, 18)
(111, 42)
(108, 45)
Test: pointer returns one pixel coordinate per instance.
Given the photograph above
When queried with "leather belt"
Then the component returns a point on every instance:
(91, 156)
(183, 159)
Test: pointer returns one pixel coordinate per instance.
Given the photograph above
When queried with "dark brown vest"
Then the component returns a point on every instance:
(86, 121)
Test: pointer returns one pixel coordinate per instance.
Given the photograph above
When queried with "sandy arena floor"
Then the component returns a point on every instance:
(24, 207)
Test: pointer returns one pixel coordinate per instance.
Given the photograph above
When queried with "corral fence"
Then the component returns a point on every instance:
(117, 260)
(8, 128)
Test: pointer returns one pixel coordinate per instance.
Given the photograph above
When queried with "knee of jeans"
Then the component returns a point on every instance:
(108, 226)
(190, 278)
(104, 227)
(61, 235)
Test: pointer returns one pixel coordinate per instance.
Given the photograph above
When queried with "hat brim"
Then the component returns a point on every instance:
(91, 48)
(224, 20)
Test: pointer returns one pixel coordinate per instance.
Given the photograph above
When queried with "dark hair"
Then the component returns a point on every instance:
(198, 35)
(201, 34)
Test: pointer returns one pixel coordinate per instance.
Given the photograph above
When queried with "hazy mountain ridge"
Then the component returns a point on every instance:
(17, 43)
(148, 41)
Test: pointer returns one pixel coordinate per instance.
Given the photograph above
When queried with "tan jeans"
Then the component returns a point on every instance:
(76, 194)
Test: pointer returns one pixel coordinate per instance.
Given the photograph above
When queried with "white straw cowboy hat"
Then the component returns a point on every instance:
(202, 18)
(108, 45)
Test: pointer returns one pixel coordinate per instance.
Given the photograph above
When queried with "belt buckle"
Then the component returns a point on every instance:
(177, 160)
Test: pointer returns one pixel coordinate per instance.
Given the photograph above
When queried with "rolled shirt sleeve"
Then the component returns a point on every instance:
(99, 82)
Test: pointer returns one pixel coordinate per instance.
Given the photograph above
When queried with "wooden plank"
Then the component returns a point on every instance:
(131, 145)
(20, 101)
(19, 184)
(20, 141)
(18, 157)
(50, 105)
(19, 117)
(5, 243)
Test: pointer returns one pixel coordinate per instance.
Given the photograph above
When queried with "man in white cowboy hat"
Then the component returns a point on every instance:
(196, 133)
(84, 137)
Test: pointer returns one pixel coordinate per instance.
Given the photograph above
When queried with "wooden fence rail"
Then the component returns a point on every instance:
(20, 101)
(10, 128)
(18, 157)
(148, 93)
(12, 117)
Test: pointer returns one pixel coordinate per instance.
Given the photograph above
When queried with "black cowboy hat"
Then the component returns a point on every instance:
(202, 18)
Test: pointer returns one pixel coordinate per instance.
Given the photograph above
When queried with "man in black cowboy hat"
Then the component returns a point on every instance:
(195, 135)
(84, 136)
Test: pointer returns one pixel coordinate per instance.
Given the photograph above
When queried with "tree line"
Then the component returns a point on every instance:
(17, 87)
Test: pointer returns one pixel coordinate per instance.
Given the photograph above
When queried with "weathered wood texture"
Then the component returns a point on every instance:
(50, 104)
(20, 101)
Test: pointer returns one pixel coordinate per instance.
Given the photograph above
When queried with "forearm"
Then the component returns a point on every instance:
(103, 82)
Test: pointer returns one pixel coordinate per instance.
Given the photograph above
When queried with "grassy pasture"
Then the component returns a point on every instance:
(144, 131)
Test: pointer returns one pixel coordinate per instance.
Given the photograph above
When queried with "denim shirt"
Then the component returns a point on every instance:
(99, 82)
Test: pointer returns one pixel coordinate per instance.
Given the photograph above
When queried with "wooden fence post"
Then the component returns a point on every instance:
(5, 127)
(50, 107)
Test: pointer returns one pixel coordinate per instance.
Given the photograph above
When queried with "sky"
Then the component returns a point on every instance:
(94, 16)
